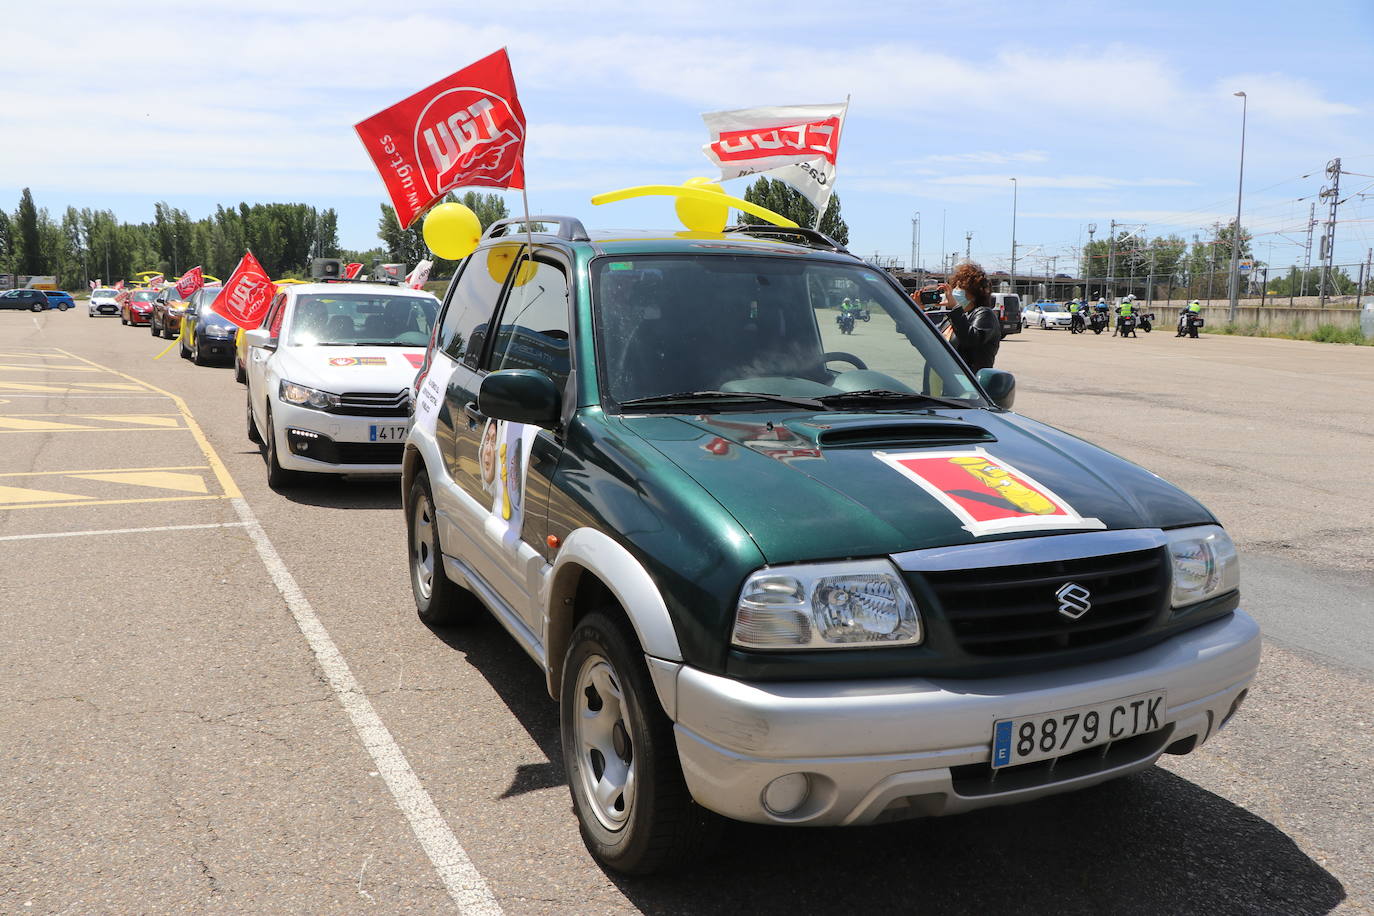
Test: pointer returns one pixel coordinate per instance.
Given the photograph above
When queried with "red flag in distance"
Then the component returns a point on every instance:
(246, 294)
(190, 281)
(466, 130)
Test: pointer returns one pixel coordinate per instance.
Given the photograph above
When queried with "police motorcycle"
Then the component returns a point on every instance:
(845, 320)
(1188, 323)
(1147, 321)
(1098, 320)
(1127, 325)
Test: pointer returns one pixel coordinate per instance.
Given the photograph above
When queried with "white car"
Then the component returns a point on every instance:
(103, 301)
(1046, 315)
(329, 375)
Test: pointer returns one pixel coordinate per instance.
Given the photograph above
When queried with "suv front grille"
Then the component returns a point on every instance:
(374, 404)
(1014, 610)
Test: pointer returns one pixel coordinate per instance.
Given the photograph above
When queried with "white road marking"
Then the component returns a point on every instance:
(78, 534)
(464, 883)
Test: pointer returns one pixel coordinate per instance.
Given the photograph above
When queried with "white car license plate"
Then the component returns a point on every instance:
(387, 433)
(1053, 734)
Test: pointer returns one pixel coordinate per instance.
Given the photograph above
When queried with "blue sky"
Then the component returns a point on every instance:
(1101, 111)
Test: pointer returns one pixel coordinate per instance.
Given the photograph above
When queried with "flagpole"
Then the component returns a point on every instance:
(529, 233)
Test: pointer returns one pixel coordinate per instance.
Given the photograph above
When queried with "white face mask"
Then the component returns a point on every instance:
(960, 298)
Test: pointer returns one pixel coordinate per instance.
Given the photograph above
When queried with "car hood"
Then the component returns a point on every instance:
(812, 486)
(103, 300)
(343, 369)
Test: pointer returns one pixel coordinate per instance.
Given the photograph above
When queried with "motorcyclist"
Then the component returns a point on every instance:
(1193, 308)
(1076, 314)
(1125, 310)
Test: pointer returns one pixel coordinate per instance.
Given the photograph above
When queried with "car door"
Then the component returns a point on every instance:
(532, 332)
(256, 363)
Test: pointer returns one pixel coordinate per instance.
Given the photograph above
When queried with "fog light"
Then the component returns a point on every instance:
(786, 794)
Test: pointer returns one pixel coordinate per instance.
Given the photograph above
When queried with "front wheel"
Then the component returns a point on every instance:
(278, 477)
(632, 804)
(253, 435)
(438, 600)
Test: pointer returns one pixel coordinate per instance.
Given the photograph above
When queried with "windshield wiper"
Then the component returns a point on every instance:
(887, 394)
(688, 397)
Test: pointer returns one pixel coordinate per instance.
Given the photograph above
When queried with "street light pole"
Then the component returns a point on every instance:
(1235, 232)
(1013, 234)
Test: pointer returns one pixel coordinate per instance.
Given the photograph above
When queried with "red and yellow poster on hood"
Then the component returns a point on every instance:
(985, 493)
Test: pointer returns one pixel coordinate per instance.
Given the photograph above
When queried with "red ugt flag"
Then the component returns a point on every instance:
(466, 130)
(352, 269)
(247, 294)
(190, 281)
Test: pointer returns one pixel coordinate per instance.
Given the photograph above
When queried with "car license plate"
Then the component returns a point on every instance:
(1031, 738)
(387, 433)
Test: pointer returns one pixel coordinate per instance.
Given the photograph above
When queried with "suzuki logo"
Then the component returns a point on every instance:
(1073, 600)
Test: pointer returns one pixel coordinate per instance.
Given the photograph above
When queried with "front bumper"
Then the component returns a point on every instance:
(221, 347)
(103, 308)
(343, 443)
(884, 750)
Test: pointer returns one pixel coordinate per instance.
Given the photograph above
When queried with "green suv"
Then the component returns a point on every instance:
(777, 573)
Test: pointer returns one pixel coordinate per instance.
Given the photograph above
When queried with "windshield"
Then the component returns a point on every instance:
(362, 319)
(144, 295)
(103, 293)
(766, 325)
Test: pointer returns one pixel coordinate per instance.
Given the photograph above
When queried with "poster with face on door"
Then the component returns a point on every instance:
(504, 459)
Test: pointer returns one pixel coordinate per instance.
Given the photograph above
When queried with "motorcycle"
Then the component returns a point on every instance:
(1147, 322)
(1076, 325)
(1127, 326)
(1188, 323)
(846, 322)
(1097, 322)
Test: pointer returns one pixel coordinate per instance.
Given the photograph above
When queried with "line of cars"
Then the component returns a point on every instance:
(36, 300)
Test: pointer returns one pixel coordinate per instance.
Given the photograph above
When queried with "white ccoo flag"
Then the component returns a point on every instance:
(797, 144)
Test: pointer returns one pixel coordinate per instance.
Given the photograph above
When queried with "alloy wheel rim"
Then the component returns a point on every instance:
(604, 743)
(421, 550)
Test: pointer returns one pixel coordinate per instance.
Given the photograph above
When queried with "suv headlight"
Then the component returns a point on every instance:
(217, 330)
(292, 393)
(847, 605)
(1205, 564)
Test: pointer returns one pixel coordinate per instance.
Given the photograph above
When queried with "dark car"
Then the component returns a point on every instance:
(206, 334)
(775, 574)
(30, 300)
(59, 299)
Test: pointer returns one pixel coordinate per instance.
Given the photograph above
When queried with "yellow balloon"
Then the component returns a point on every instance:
(499, 261)
(702, 216)
(697, 193)
(452, 231)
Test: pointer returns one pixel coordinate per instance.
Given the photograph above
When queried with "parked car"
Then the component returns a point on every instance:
(137, 307)
(168, 307)
(1046, 315)
(329, 377)
(205, 333)
(30, 300)
(59, 299)
(780, 575)
(1008, 309)
(103, 301)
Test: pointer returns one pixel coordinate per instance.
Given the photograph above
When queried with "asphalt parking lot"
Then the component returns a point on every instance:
(186, 720)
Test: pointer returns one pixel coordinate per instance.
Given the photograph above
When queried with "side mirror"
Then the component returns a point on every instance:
(260, 337)
(1000, 386)
(520, 396)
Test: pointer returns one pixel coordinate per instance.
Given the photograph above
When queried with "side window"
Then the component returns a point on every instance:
(274, 315)
(471, 304)
(533, 331)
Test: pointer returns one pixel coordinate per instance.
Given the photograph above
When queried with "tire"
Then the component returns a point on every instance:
(240, 375)
(278, 477)
(196, 356)
(184, 351)
(616, 736)
(253, 435)
(63, 307)
(1043, 325)
(439, 601)
(152, 328)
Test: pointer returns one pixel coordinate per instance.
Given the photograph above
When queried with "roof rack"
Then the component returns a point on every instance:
(570, 228)
(813, 238)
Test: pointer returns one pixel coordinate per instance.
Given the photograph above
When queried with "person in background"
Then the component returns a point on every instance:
(1124, 310)
(973, 329)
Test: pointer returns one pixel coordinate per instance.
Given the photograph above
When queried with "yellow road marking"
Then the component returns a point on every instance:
(41, 497)
(76, 387)
(73, 473)
(147, 419)
(79, 501)
(21, 425)
(97, 429)
(166, 480)
(226, 482)
(47, 369)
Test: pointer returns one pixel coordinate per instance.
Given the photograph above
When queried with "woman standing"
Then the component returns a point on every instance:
(974, 328)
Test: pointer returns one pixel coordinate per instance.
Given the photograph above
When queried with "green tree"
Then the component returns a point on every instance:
(488, 207)
(405, 246)
(28, 256)
(6, 242)
(784, 200)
